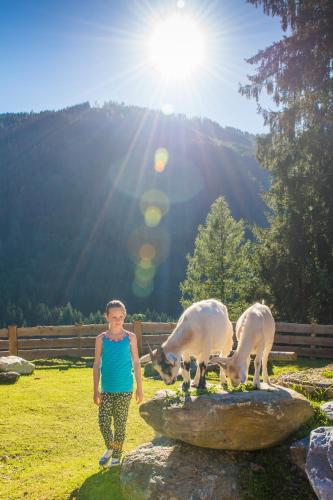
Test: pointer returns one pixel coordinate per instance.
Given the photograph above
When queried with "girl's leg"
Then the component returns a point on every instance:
(105, 411)
(120, 412)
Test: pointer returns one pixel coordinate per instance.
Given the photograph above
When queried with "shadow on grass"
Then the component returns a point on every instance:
(101, 486)
(63, 363)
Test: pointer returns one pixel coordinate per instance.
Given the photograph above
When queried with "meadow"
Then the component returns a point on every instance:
(50, 440)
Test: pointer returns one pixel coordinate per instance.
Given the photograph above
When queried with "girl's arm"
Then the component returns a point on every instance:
(96, 367)
(137, 367)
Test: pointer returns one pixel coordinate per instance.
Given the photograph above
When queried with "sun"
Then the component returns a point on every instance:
(176, 47)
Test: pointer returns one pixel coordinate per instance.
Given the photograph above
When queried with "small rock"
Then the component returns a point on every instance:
(9, 377)
(256, 467)
(328, 409)
(149, 371)
(16, 364)
(317, 467)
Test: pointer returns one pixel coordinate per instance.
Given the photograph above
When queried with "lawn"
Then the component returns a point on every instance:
(50, 441)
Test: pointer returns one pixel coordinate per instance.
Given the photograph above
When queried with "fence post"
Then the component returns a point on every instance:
(138, 333)
(12, 340)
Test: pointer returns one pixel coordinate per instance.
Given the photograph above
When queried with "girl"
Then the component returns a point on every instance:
(116, 351)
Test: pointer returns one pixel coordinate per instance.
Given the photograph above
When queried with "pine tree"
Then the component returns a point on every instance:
(221, 265)
(295, 252)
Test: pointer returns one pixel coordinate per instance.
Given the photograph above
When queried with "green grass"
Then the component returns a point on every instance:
(50, 440)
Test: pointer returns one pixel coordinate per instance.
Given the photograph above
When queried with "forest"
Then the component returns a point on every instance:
(74, 192)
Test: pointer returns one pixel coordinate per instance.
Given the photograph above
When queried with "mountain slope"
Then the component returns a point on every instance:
(72, 201)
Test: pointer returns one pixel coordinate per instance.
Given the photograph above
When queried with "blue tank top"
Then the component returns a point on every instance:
(116, 366)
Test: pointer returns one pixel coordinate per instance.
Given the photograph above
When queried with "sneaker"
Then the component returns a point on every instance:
(114, 462)
(105, 458)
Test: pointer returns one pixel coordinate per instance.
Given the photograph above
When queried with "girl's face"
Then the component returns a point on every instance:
(116, 316)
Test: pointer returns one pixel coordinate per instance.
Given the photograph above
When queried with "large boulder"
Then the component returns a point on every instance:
(16, 364)
(170, 470)
(247, 420)
(318, 465)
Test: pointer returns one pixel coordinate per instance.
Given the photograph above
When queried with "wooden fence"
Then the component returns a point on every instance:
(41, 342)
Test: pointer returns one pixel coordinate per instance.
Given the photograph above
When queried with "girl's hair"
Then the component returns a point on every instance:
(113, 304)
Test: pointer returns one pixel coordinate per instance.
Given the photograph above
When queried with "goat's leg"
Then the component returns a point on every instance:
(223, 378)
(196, 379)
(186, 371)
(202, 365)
(264, 367)
(257, 365)
(247, 368)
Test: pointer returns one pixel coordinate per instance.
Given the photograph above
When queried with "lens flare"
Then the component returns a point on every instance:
(167, 109)
(145, 272)
(142, 291)
(153, 216)
(180, 4)
(147, 252)
(154, 198)
(156, 237)
(161, 159)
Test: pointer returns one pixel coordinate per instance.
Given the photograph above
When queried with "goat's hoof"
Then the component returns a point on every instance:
(193, 384)
(185, 386)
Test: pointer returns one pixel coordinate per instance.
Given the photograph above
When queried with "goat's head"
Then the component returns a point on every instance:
(235, 371)
(166, 364)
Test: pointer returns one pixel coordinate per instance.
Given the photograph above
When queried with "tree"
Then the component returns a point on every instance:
(295, 252)
(220, 266)
(297, 70)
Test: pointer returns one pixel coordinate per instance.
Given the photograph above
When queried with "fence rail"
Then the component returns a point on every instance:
(41, 342)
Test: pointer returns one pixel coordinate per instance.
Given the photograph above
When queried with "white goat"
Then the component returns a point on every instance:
(255, 334)
(202, 329)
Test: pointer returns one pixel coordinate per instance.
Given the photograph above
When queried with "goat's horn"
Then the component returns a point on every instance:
(151, 353)
(145, 358)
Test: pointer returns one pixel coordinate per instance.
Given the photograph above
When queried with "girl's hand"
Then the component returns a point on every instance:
(97, 398)
(138, 396)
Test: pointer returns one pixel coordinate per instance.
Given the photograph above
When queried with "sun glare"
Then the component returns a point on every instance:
(176, 47)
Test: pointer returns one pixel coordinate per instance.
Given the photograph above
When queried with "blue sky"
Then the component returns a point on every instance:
(58, 53)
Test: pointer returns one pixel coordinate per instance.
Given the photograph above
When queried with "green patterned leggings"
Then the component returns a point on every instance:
(114, 405)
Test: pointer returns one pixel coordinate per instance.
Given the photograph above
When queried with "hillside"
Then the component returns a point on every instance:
(71, 220)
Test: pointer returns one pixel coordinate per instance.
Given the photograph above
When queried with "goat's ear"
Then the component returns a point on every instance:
(171, 357)
(219, 361)
(223, 362)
